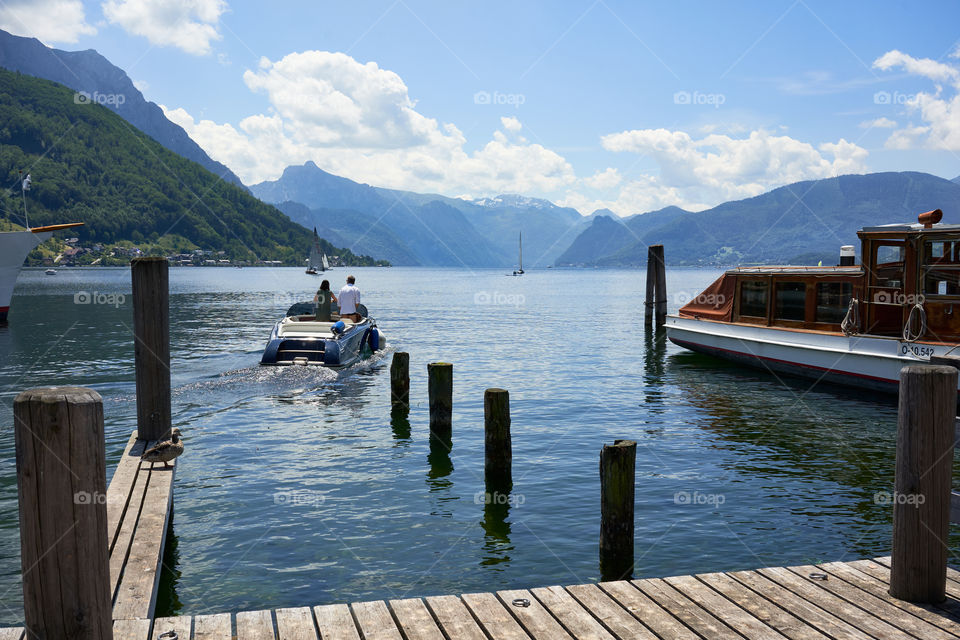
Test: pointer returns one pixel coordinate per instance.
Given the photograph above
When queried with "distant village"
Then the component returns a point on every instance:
(76, 255)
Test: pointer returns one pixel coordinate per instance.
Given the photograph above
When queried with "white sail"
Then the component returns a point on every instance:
(316, 261)
(326, 265)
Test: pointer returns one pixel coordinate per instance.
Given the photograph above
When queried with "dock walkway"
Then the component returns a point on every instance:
(841, 600)
(139, 504)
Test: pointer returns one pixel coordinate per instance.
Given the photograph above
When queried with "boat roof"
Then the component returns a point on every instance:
(912, 227)
(795, 269)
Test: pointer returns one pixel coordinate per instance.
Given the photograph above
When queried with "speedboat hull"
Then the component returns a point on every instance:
(300, 340)
(869, 362)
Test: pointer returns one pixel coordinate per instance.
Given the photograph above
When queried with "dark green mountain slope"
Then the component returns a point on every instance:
(89, 165)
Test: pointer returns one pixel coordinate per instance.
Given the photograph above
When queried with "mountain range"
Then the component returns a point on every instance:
(410, 228)
(801, 223)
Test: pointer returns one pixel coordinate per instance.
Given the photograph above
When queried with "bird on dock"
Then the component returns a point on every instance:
(165, 451)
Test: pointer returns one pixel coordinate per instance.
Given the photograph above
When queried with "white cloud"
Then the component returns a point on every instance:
(358, 120)
(190, 25)
(606, 179)
(936, 71)
(50, 21)
(878, 123)
(939, 113)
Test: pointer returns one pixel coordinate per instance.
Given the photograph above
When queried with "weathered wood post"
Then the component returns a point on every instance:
(656, 287)
(151, 335)
(617, 472)
(400, 380)
(62, 482)
(498, 453)
(440, 392)
(921, 498)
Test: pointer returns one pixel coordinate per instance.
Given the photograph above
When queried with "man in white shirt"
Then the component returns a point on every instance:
(349, 299)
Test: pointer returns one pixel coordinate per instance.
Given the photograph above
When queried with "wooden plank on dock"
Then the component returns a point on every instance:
(130, 629)
(533, 616)
(180, 625)
(215, 627)
(127, 525)
(118, 493)
(683, 609)
(11, 633)
(742, 621)
(578, 622)
(614, 617)
(454, 618)
(658, 619)
(375, 621)
(495, 620)
(255, 625)
(415, 620)
(762, 609)
(296, 624)
(137, 593)
(336, 622)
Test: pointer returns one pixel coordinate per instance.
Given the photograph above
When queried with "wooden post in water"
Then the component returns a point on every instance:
(62, 482)
(440, 391)
(617, 473)
(151, 335)
(656, 287)
(921, 499)
(400, 380)
(498, 453)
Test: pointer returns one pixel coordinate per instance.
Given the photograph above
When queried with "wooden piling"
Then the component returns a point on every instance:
(617, 472)
(656, 287)
(151, 333)
(921, 499)
(440, 391)
(62, 483)
(498, 453)
(400, 380)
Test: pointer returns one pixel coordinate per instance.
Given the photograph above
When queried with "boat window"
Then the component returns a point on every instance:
(940, 251)
(833, 298)
(888, 265)
(941, 269)
(887, 254)
(791, 301)
(753, 298)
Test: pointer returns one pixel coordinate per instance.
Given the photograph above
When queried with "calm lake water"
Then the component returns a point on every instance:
(736, 469)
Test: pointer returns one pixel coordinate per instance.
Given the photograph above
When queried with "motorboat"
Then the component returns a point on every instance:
(850, 324)
(299, 339)
(51, 272)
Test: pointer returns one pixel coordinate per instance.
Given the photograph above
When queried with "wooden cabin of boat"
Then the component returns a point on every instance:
(907, 286)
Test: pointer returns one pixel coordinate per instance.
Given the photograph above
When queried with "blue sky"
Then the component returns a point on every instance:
(626, 105)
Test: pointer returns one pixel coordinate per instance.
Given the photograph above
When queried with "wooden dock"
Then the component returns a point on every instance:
(139, 505)
(842, 600)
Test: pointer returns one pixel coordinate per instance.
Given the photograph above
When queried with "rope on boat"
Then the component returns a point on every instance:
(851, 321)
(918, 309)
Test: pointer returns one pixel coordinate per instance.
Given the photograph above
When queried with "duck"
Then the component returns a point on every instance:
(165, 451)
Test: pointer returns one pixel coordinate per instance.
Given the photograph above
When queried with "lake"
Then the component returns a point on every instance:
(297, 489)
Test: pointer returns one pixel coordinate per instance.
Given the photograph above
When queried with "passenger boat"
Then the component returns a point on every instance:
(299, 339)
(14, 247)
(850, 324)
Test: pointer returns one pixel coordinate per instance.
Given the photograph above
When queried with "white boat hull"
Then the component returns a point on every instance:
(871, 362)
(14, 247)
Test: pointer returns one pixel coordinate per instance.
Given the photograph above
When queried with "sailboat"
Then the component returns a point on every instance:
(318, 260)
(519, 272)
(326, 265)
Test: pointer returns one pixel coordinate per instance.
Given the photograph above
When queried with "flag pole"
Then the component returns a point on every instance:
(23, 192)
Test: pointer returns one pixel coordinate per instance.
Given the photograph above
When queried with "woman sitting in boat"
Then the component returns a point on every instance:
(323, 300)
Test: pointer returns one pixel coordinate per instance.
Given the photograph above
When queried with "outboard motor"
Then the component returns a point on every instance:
(848, 255)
